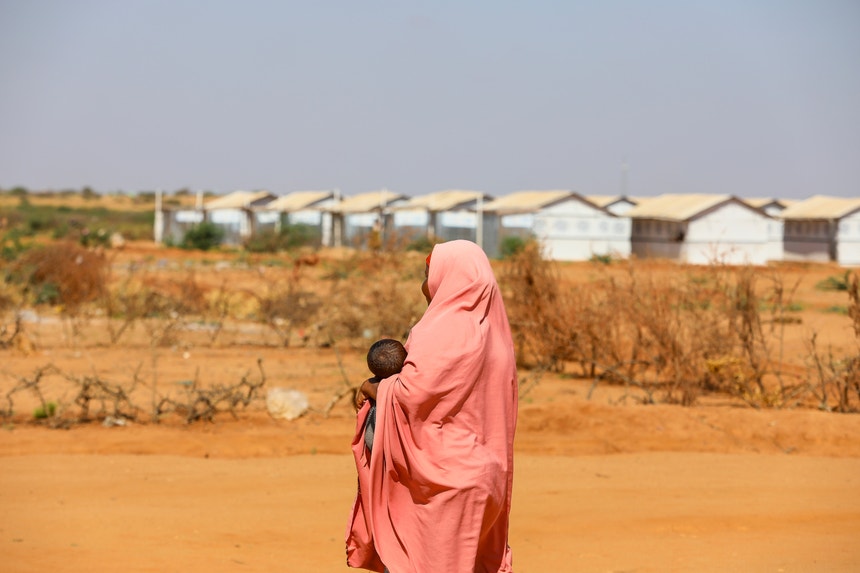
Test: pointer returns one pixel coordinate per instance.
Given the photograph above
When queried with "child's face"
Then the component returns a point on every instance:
(425, 289)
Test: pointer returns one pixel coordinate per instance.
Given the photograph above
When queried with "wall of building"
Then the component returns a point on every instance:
(848, 241)
(730, 234)
(807, 241)
(575, 231)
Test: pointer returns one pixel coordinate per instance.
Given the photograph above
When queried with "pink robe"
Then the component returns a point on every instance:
(435, 494)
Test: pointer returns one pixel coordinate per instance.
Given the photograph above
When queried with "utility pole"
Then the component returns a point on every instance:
(624, 171)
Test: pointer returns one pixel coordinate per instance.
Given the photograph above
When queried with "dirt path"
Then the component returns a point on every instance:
(648, 512)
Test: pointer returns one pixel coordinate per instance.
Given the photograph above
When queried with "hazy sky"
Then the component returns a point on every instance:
(757, 98)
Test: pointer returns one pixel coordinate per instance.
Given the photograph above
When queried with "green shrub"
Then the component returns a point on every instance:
(46, 411)
(422, 244)
(203, 237)
(100, 238)
(299, 235)
(48, 293)
(603, 259)
(11, 246)
(834, 283)
(289, 237)
(512, 245)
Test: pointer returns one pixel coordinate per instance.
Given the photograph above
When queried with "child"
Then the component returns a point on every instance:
(385, 358)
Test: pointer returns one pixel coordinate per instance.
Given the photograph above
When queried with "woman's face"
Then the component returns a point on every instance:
(425, 289)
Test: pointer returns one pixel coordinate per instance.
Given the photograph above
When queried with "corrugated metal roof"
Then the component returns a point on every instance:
(676, 207)
(444, 200)
(527, 201)
(822, 207)
(298, 200)
(367, 202)
(237, 200)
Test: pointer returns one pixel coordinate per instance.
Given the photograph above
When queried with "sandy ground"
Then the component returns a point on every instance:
(602, 483)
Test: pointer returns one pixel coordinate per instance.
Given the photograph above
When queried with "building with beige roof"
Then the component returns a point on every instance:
(442, 215)
(232, 213)
(568, 226)
(823, 228)
(308, 212)
(704, 229)
(366, 218)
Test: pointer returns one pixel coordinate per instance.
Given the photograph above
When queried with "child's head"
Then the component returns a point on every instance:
(385, 357)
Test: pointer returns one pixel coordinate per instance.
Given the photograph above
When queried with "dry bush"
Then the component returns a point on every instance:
(371, 296)
(681, 335)
(11, 323)
(140, 298)
(124, 305)
(94, 398)
(87, 391)
(542, 314)
(112, 399)
(203, 404)
(284, 305)
(62, 273)
(757, 317)
(218, 309)
(34, 386)
(162, 306)
(837, 380)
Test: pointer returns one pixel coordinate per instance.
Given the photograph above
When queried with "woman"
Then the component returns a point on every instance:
(435, 492)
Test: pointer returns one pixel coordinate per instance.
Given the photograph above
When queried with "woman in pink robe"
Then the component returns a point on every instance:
(435, 491)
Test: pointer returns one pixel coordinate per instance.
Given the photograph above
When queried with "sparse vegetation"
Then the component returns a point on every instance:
(671, 337)
(839, 283)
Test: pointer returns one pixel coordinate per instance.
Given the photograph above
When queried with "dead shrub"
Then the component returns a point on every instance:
(284, 306)
(203, 404)
(62, 273)
(378, 295)
(837, 379)
(682, 335)
(541, 314)
(94, 398)
(112, 399)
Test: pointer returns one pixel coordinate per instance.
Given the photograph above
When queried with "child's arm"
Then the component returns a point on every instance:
(367, 390)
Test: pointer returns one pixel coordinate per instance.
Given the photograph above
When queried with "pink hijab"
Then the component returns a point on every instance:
(435, 494)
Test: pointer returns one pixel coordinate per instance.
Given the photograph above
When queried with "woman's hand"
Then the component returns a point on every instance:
(367, 390)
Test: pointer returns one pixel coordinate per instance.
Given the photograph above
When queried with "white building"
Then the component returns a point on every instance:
(356, 217)
(311, 209)
(823, 229)
(171, 224)
(704, 229)
(568, 226)
(232, 213)
(443, 215)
